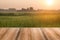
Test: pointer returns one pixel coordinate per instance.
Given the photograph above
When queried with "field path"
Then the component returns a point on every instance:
(29, 33)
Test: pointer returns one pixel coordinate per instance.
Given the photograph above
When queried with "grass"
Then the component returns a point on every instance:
(16, 21)
(30, 21)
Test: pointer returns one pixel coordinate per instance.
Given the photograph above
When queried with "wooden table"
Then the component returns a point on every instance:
(29, 33)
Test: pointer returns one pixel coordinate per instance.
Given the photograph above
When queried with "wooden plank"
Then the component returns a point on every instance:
(29, 33)
(11, 34)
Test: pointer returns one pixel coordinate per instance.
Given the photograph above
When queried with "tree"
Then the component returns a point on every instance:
(23, 9)
(31, 8)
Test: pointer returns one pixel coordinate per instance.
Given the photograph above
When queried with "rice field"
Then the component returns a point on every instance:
(43, 20)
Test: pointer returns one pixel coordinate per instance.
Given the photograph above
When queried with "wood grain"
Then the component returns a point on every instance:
(29, 33)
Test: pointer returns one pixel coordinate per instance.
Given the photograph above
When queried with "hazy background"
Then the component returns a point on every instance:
(18, 4)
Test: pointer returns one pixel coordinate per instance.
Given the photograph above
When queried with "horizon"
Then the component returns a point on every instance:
(36, 4)
(28, 7)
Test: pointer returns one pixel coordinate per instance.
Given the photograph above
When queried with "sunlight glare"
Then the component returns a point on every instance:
(49, 2)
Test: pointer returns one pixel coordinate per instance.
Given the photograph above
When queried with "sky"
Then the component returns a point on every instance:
(37, 4)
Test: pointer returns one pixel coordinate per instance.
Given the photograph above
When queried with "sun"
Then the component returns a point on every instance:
(49, 2)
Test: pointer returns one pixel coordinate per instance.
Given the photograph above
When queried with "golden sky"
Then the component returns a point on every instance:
(37, 4)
